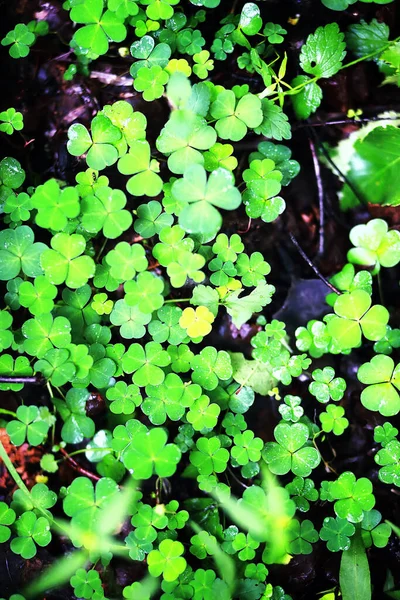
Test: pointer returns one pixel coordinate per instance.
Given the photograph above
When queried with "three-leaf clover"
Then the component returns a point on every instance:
(29, 426)
(389, 459)
(11, 121)
(167, 560)
(7, 518)
(353, 496)
(100, 145)
(375, 246)
(144, 169)
(18, 250)
(146, 363)
(354, 315)
(290, 452)
(20, 39)
(333, 419)
(31, 531)
(234, 117)
(373, 532)
(65, 263)
(383, 381)
(210, 366)
(149, 453)
(99, 28)
(77, 425)
(326, 386)
(105, 211)
(301, 536)
(201, 196)
(209, 457)
(197, 322)
(37, 296)
(336, 532)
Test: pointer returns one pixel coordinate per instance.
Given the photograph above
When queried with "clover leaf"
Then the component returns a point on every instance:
(184, 134)
(203, 415)
(246, 448)
(31, 531)
(353, 496)
(149, 453)
(20, 39)
(292, 409)
(301, 536)
(55, 206)
(86, 584)
(148, 53)
(39, 500)
(57, 366)
(42, 333)
(209, 457)
(186, 265)
(125, 260)
(18, 251)
(151, 81)
(151, 219)
(383, 434)
(383, 381)
(211, 366)
(105, 211)
(333, 420)
(337, 533)
(130, 319)
(11, 121)
(373, 532)
(252, 269)
(375, 246)
(99, 28)
(100, 145)
(28, 427)
(167, 560)
(18, 367)
(7, 518)
(326, 386)
(201, 196)
(138, 162)
(65, 263)
(145, 293)
(354, 315)
(77, 425)
(198, 322)
(233, 118)
(290, 452)
(37, 296)
(389, 459)
(146, 362)
(302, 491)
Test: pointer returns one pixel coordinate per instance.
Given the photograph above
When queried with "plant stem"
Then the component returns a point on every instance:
(4, 411)
(312, 265)
(320, 188)
(177, 300)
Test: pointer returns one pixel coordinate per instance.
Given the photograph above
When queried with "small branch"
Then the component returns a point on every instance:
(77, 467)
(320, 188)
(342, 121)
(34, 380)
(312, 265)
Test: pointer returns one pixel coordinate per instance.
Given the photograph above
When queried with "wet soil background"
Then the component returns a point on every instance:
(50, 105)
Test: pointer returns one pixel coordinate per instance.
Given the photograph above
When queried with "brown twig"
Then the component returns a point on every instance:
(77, 467)
(312, 265)
(321, 196)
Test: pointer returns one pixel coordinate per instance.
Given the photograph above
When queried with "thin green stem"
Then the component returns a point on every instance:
(4, 411)
(177, 300)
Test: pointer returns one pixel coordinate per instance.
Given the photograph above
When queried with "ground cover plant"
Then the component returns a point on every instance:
(199, 333)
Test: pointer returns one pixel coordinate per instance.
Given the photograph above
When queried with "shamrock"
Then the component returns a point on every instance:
(151, 82)
(132, 124)
(65, 263)
(383, 434)
(124, 398)
(186, 265)
(146, 363)
(148, 54)
(168, 399)
(131, 319)
(290, 452)
(202, 414)
(145, 293)
(233, 118)
(333, 419)
(354, 315)
(151, 219)
(86, 583)
(167, 560)
(39, 500)
(29, 426)
(18, 251)
(18, 207)
(209, 457)
(31, 531)
(148, 453)
(302, 491)
(203, 544)
(102, 304)
(252, 269)
(201, 196)
(37, 296)
(126, 260)
(57, 366)
(227, 249)
(18, 367)
(7, 518)
(146, 520)
(220, 155)
(19, 39)
(43, 332)
(211, 366)
(171, 245)
(145, 180)
(55, 207)
(292, 409)
(337, 533)
(182, 138)
(373, 532)
(105, 211)
(98, 28)
(100, 145)
(84, 503)
(375, 245)
(301, 536)
(326, 386)
(389, 459)
(11, 121)
(197, 322)
(246, 448)
(77, 425)
(203, 64)
(383, 381)
(6, 336)
(167, 328)
(353, 496)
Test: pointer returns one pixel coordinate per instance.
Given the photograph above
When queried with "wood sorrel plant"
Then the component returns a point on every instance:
(118, 293)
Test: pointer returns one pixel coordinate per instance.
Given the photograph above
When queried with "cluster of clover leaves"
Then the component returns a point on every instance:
(120, 299)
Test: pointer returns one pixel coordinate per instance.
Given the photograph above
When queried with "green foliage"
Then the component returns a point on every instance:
(290, 452)
(382, 378)
(20, 39)
(11, 121)
(29, 426)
